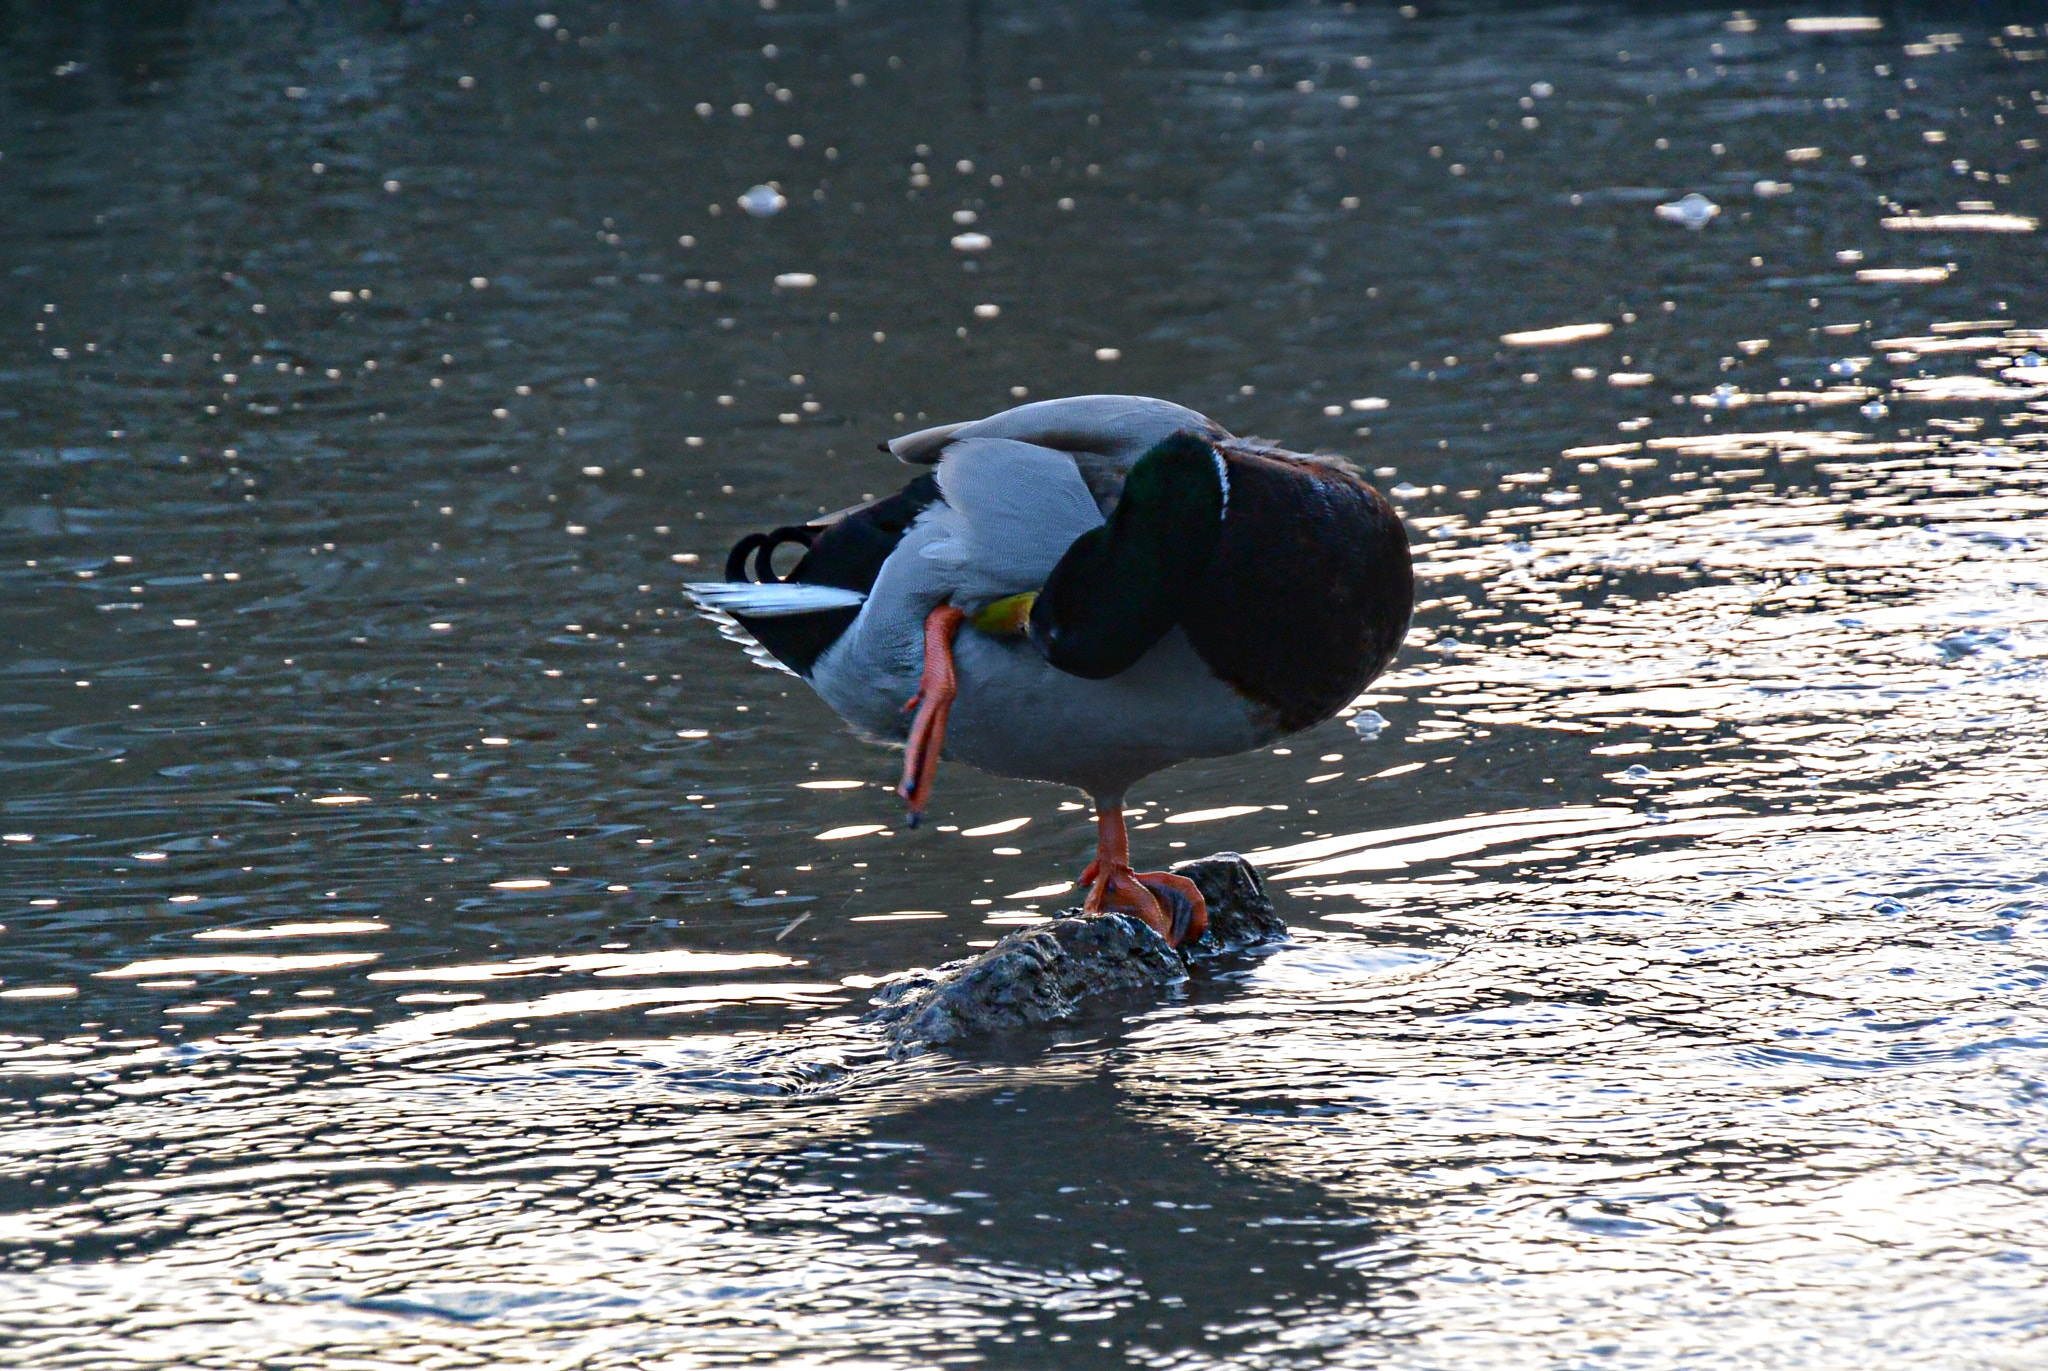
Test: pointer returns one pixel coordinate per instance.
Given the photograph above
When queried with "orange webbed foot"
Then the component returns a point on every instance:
(933, 702)
(1169, 905)
(1183, 902)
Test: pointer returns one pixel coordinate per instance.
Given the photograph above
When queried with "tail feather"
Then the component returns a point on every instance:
(771, 599)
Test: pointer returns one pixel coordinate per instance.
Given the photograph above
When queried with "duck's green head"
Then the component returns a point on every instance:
(1120, 587)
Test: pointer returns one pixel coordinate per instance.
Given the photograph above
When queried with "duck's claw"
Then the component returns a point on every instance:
(1169, 905)
(1182, 901)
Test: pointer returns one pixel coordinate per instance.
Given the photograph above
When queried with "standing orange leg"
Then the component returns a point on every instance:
(933, 702)
(1170, 905)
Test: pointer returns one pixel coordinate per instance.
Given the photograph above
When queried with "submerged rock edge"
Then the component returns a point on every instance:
(1045, 974)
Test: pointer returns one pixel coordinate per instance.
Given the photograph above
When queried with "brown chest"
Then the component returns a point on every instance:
(1310, 591)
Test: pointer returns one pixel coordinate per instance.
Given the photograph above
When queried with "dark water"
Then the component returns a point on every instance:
(421, 946)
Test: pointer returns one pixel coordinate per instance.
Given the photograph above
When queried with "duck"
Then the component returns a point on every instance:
(1085, 591)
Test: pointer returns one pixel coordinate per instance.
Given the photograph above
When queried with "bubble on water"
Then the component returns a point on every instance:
(1368, 724)
(1693, 210)
(1638, 772)
(763, 202)
(1876, 409)
(1407, 490)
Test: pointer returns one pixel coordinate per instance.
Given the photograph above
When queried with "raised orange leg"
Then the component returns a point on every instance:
(1170, 905)
(933, 702)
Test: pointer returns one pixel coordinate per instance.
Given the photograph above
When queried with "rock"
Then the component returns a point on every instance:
(1241, 913)
(1044, 973)
(1037, 975)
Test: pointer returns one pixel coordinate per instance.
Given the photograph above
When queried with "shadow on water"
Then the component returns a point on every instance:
(1145, 1234)
(422, 937)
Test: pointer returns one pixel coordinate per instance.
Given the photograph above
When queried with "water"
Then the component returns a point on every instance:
(420, 946)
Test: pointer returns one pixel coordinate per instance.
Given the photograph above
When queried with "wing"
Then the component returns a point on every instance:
(1122, 428)
(1012, 509)
(771, 599)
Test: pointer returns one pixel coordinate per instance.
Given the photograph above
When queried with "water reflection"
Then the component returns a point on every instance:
(419, 934)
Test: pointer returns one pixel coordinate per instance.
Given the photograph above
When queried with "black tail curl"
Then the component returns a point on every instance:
(761, 547)
(845, 551)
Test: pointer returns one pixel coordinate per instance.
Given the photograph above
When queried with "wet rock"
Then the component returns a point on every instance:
(1241, 913)
(1037, 975)
(1044, 974)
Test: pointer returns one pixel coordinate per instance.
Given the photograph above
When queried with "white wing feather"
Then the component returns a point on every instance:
(771, 599)
(1013, 508)
(1120, 427)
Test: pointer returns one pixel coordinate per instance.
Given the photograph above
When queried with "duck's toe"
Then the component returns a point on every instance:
(1181, 900)
(1169, 905)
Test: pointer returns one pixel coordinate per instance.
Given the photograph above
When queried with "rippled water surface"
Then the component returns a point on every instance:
(427, 943)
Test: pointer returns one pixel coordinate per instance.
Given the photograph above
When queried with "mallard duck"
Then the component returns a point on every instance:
(1086, 591)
